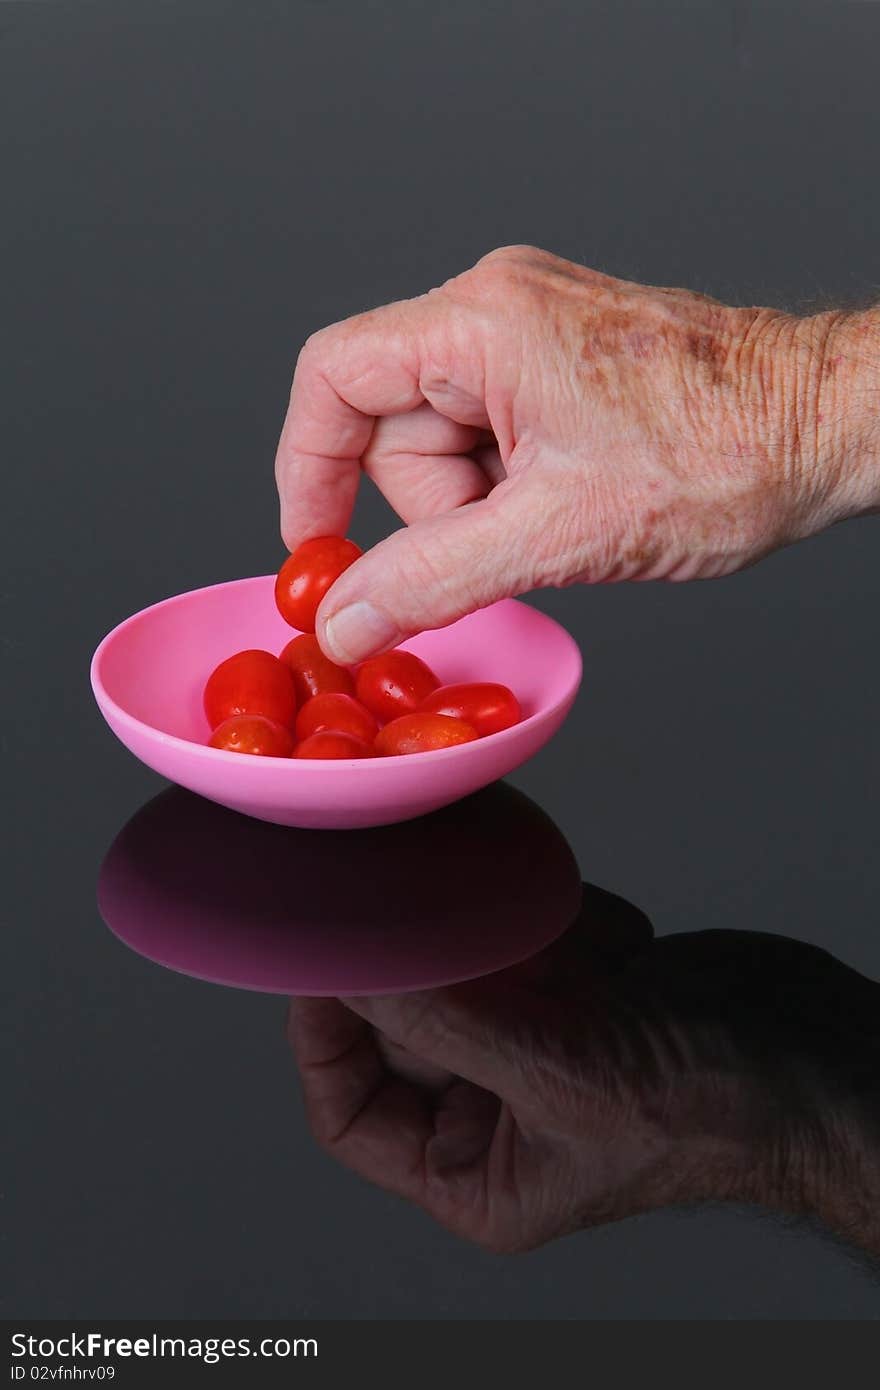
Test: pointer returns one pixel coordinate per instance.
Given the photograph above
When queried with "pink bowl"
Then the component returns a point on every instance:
(149, 672)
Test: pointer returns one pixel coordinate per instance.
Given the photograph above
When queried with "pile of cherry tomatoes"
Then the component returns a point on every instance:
(299, 704)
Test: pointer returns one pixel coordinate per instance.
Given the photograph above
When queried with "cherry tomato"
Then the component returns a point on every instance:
(313, 672)
(253, 733)
(422, 733)
(330, 743)
(307, 574)
(393, 684)
(340, 713)
(487, 707)
(251, 682)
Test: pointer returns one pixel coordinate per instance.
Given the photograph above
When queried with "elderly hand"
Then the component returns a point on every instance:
(611, 1075)
(537, 423)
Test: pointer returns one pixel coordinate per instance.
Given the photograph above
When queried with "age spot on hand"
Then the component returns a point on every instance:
(710, 352)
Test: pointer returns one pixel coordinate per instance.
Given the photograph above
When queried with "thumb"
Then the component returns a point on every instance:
(427, 575)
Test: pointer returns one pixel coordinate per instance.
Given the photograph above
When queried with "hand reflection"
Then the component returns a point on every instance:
(613, 1074)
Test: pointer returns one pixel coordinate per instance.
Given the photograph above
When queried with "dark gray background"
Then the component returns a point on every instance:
(188, 191)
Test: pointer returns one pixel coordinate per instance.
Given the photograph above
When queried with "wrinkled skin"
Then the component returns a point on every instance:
(611, 1075)
(537, 423)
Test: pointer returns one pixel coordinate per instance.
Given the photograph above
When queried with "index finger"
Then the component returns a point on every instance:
(376, 1122)
(428, 1147)
(346, 376)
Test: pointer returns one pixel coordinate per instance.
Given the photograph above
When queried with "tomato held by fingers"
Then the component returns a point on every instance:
(253, 733)
(422, 733)
(486, 706)
(307, 574)
(393, 684)
(251, 682)
(338, 712)
(313, 672)
(331, 743)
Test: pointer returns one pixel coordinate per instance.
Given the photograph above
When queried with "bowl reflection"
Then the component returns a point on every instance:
(459, 894)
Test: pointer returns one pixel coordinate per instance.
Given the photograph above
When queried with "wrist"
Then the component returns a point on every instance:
(806, 1144)
(809, 403)
(835, 364)
(849, 1204)
(822, 1161)
(840, 1173)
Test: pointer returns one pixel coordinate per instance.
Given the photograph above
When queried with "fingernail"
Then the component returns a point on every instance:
(357, 630)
